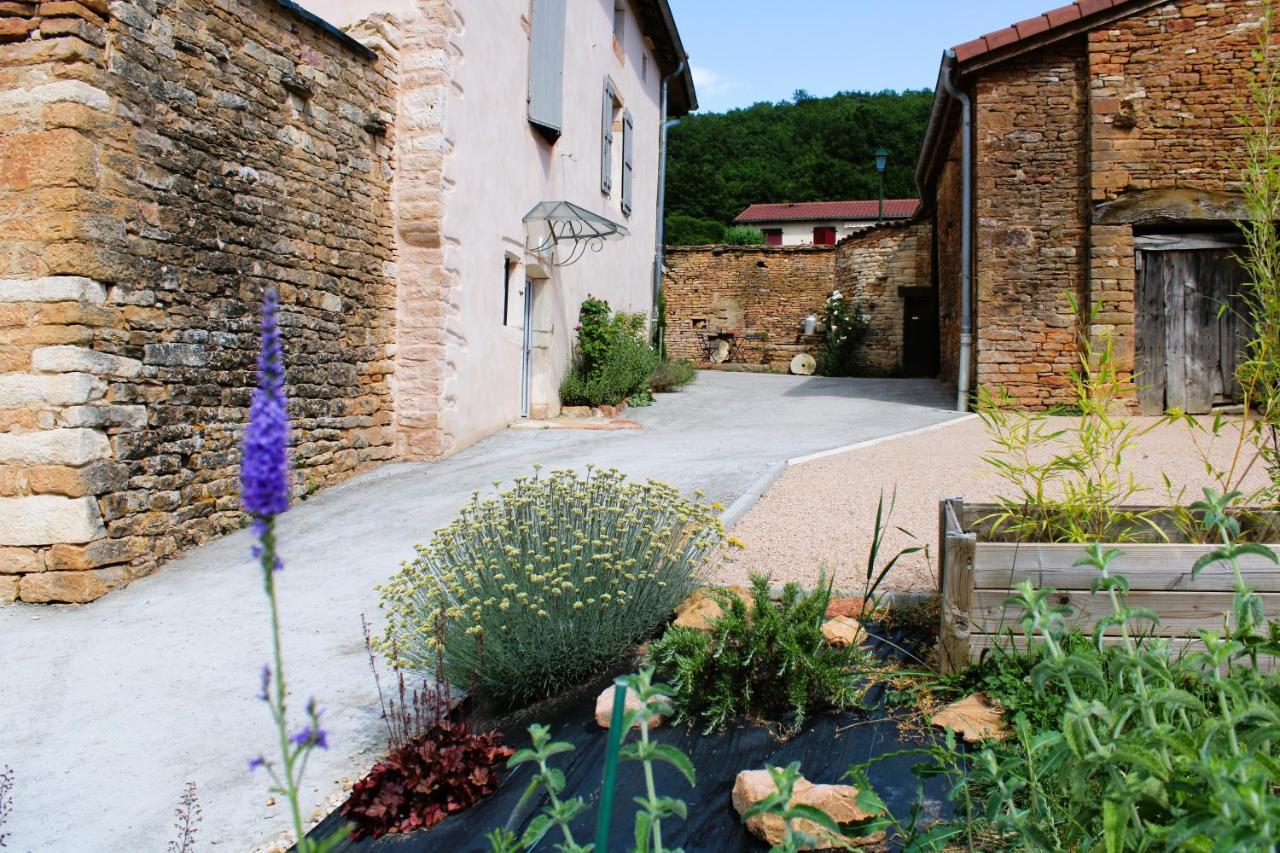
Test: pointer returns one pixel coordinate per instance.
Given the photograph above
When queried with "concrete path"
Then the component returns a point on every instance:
(108, 709)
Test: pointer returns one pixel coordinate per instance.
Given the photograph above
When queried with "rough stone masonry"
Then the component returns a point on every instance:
(161, 163)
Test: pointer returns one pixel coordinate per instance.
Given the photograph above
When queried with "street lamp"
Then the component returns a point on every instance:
(882, 160)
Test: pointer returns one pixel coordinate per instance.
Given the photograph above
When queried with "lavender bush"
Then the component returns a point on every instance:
(264, 480)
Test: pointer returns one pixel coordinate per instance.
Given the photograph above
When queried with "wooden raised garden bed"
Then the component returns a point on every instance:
(977, 577)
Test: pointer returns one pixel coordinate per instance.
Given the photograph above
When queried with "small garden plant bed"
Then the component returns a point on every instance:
(980, 569)
(826, 746)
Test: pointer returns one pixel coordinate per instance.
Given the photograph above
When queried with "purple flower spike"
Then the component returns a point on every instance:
(255, 763)
(266, 682)
(311, 736)
(264, 467)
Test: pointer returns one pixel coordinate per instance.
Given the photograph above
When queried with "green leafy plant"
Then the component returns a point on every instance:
(1259, 373)
(612, 361)
(742, 235)
(846, 331)
(640, 399)
(550, 582)
(672, 375)
(1069, 483)
(766, 660)
(558, 814)
(1154, 749)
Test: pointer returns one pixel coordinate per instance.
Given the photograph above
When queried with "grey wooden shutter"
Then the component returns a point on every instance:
(606, 140)
(627, 134)
(546, 65)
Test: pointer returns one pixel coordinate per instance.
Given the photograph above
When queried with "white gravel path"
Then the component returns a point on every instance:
(823, 512)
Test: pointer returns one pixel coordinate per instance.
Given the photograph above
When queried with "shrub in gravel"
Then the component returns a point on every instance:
(672, 375)
(550, 582)
(766, 660)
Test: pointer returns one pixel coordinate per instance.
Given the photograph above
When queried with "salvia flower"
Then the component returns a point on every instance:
(264, 467)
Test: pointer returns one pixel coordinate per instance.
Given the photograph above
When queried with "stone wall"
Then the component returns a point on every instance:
(1165, 140)
(1031, 239)
(947, 214)
(160, 165)
(870, 267)
(760, 294)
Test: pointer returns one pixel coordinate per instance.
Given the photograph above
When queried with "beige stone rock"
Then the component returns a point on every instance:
(54, 447)
(69, 587)
(73, 359)
(8, 590)
(24, 389)
(19, 561)
(604, 708)
(102, 552)
(74, 91)
(49, 519)
(838, 801)
(843, 631)
(96, 416)
(974, 718)
(60, 288)
(575, 411)
(700, 609)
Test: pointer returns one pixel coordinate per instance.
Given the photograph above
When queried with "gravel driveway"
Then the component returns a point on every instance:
(108, 709)
(823, 512)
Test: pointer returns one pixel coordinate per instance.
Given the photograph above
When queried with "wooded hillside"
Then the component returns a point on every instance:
(806, 149)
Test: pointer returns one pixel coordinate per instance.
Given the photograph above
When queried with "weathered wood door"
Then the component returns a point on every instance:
(1191, 323)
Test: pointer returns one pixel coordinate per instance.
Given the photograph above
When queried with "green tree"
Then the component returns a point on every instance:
(808, 149)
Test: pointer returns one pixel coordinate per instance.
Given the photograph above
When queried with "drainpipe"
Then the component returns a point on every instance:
(966, 231)
(658, 249)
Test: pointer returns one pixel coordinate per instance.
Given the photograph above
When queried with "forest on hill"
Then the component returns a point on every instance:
(805, 149)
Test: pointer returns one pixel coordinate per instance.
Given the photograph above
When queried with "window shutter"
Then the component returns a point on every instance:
(627, 135)
(606, 140)
(546, 66)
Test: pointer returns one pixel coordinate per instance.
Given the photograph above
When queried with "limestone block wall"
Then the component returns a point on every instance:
(1167, 89)
(761, 293)
(1031, 237)
(160, 165)
(869, 268)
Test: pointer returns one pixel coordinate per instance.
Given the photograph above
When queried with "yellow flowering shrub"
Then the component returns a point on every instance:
(548, 583)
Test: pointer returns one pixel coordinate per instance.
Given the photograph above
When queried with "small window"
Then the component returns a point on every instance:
(824, 235)
(507, 265)
(619, 18)
(773, 236)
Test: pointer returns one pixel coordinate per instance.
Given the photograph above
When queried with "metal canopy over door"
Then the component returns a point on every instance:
(1191, 321)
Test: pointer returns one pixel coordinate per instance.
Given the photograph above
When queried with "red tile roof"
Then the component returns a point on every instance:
(894, 208)
(1033, 27)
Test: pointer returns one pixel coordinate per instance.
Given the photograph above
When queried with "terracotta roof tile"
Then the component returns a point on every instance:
(1033, 27)
(897, 208)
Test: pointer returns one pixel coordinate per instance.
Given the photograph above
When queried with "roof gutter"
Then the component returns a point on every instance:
(947, 81)
(658, 248)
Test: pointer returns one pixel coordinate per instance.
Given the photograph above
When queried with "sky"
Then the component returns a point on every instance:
(744, 51)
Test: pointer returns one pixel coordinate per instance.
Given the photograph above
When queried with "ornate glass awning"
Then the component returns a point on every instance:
(552, 223)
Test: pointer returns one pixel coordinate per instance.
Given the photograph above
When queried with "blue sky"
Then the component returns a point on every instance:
(743, 51)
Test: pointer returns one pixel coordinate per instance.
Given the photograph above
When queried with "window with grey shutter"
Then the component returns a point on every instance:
(546, 67)
(606, 139)
(627, 134)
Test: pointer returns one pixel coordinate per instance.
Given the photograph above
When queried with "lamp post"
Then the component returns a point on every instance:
(882, 159)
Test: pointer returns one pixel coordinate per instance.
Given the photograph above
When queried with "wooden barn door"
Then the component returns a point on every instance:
(1191, 322)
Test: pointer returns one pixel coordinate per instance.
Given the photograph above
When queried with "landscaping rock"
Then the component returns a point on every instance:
(838, 801)
(604, 708)
(575, 411)
(699, 610)
(803, 365)
(974, 718)
(846, 607)
(843, 631)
